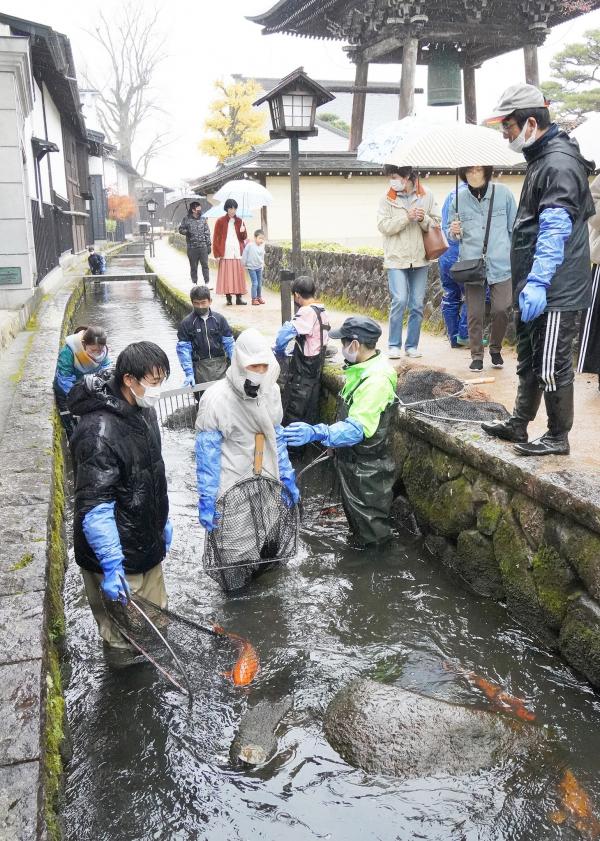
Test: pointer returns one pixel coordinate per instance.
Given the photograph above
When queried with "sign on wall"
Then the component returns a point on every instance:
(10, 275)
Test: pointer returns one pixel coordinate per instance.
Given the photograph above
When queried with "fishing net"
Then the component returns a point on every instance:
(442, 396)
(257, 528)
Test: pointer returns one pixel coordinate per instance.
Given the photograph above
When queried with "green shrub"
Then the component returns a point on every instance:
(332, 248)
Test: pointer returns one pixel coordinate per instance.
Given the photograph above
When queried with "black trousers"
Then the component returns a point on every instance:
(545, 348)
(589, 336)
(195, 256)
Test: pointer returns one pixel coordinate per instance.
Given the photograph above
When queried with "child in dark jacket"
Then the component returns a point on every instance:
(205, 341)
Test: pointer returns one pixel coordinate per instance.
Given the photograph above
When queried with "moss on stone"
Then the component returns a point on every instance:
(554, 583)
(579, 640)
(477, 563)
(445, 466)
(420, 480)
(530, 516)
(581, 547)
(451, 508)
(23, 562)
(488, 517)
(327, 407)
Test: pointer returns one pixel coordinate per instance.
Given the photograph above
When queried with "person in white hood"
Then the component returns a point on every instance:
(231, 413)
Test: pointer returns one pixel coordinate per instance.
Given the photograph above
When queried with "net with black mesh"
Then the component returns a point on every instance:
(442, 396)
(257, 528)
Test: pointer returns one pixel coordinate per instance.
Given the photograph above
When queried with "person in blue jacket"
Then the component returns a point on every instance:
(121, 526)
(84, 352)
(96, 261)
(205, 341)
(454, 307)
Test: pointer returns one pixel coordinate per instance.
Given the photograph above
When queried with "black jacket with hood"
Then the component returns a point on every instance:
(116, 452)
(557, 176)
(196, 231)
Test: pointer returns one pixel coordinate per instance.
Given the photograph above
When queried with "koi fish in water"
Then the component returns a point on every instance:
(576, 805)
(495, 693)
(247, 664)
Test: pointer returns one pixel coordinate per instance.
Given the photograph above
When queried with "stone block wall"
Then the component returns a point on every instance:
(514, 536)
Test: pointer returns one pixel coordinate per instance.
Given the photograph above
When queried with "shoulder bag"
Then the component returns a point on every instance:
(435, 242)
(474, 272)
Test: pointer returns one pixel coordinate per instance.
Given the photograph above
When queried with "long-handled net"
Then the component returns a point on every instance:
(442, 396)
(257, 528)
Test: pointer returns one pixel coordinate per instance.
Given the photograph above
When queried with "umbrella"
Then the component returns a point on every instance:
(219, 210)
(247, 193)
(381, 142)
(451, 146)
(178, 199)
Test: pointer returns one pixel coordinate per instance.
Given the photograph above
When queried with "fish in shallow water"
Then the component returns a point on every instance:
(495, 693)
(577, 806)
(247, 664)
(255, 741)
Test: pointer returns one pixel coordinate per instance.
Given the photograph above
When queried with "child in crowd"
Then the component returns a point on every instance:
(309, 329)
(253, 259)
(84, 352)
(205, 341)
(96, 261)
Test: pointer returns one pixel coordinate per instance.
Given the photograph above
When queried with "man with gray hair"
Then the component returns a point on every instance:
(550, 267)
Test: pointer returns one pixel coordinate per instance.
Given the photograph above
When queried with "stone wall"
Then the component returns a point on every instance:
(353, 281)
(529, 539)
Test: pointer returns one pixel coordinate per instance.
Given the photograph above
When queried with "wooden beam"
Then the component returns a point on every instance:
(386, 45)
(359, 99)
(532, 71)
(407, 79)
(470, 94)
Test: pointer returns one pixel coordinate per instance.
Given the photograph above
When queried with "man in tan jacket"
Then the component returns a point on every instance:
(405, 212)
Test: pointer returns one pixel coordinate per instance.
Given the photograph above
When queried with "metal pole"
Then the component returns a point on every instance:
(152, 234)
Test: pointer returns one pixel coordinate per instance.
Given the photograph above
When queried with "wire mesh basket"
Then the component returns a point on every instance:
(442, 396)
(257, 528)
(178, 407)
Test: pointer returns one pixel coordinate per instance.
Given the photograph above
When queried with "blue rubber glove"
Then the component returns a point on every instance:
(184, 354)
(188, 380)
(208, 475)
(100, 530)
(168, 534)
(287, 474)
(344, 433)
(532, 300)
(298, 434)
(228, 344)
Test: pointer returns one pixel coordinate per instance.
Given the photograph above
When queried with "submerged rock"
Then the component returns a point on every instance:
(255, 741)
(388, 730)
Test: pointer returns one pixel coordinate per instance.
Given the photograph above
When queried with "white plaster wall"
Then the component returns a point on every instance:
(344, 210)
(57, 159)
(110, 174)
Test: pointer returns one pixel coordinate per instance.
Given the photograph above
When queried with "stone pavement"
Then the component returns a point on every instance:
(173, 266)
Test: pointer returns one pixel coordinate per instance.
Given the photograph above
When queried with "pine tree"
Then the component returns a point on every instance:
(577, 71)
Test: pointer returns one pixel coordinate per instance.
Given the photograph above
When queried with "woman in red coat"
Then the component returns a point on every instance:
(228, 243)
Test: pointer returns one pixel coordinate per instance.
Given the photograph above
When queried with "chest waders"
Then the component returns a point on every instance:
(209, 369)
(303, 385)
(366, 472)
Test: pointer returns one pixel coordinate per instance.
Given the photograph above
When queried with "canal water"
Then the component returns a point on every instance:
(146, 767)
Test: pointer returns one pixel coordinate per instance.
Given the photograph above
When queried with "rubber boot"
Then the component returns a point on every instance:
(527, 402)
(240, 302)
(229, 301)
(554, 442)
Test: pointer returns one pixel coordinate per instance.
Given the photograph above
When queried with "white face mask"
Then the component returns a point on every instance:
(254, 377)
(150, 396)
(97, 357)
(520, 143)
(349, 355)
(398, 184)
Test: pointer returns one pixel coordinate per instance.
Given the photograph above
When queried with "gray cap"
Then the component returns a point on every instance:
(359, 327)
(514, 98)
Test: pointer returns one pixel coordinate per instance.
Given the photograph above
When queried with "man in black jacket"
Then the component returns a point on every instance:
(550, 266)
(197, 233)
(121, 525)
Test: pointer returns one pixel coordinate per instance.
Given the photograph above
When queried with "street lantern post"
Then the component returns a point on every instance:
(151, 207)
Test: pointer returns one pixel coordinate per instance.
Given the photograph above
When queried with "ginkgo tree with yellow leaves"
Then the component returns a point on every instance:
(233, 125)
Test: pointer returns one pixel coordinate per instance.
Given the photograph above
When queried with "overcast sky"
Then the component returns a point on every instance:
(206, 39)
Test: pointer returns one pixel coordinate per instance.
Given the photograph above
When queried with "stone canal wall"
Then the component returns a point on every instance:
(530, 539)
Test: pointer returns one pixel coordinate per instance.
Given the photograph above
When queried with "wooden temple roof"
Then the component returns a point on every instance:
(376, 29)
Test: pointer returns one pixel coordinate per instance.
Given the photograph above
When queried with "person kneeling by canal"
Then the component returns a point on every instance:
(359, 438)
(205, 341)
(121, 522)
(84, 352)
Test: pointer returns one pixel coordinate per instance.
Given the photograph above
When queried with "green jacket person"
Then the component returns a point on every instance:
(359, 438)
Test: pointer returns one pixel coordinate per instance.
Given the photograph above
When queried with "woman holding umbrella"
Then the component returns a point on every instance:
(228, 243)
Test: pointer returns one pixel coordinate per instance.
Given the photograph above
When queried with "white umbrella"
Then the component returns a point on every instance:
(219, 210)
(453, 145)
(247, 193)
(381, 142)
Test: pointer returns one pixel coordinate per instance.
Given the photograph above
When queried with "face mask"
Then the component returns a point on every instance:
(398, 184)
(349, 355)
(97, 357)
(149, 398)
(520, 143)
(250, 389)
(201, 310)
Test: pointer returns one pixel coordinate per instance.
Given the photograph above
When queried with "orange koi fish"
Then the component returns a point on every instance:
(495, 694)
(576, 805)
(247, 664)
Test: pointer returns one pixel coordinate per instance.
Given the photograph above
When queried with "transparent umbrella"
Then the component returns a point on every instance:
(248, 194)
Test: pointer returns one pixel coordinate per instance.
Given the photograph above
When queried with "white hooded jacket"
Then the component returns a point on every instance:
(226, 408)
